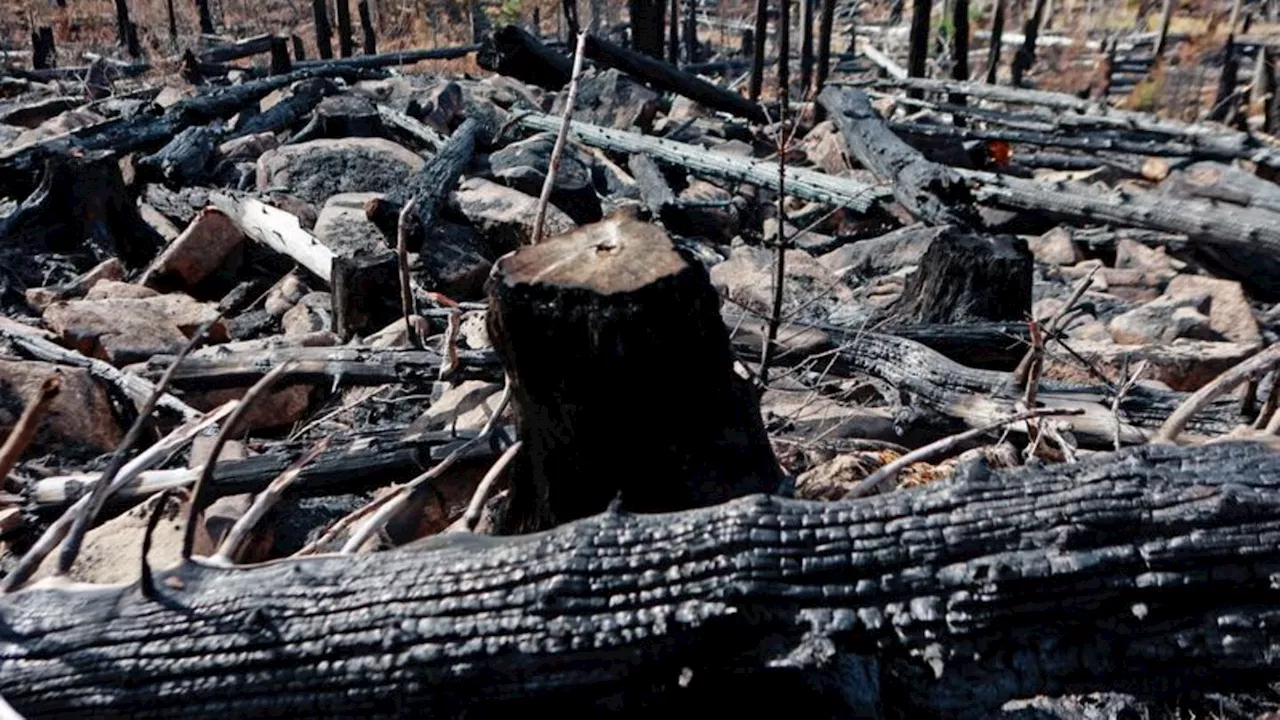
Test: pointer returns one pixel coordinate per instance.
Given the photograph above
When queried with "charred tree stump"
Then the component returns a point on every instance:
(299, 50)
(44, 55)
(206, 17)
(757, 55)
(966, 278)
(81, 202)
(280, 62)
(324, 33)
(918, 52)
(346, 41)
(587, 325)
(931, 192)
(340, 116)
(366, 26)
(647, 24)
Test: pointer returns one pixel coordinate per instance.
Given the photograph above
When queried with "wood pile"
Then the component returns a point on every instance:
(329, 389)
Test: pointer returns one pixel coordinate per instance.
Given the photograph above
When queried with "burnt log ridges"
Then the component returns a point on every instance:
(933, 193)
(1147, 571)
(603, 330)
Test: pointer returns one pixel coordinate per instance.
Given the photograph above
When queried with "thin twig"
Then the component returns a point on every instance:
(449, 345)
(481, 496)
(558, 149)
(49, 540)
(147, 583)
(393, 502)
(780, 252)
(933, 449)
(1053, 326)
(1124, 389)
(206, 472)
(1033, 384)
(231, 546)
(102, 490)
(1200, 399)
(25, 429)
(402, 260)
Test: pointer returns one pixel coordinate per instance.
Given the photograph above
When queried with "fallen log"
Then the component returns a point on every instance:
(1148, 571)
(387, 59)
(246, 47)
(931, 192)
(801, 182)
(438, 177)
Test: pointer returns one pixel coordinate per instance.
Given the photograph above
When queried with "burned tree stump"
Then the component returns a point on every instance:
(623, 379)
(965, 277)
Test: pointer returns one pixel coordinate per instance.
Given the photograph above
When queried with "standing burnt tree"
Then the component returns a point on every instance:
(648, 20)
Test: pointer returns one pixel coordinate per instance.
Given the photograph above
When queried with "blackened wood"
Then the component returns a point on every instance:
(826, 22)
(784, 55)
(206, 17)
(299, 50)
(122, 27)
(386, 59)
(997, 35)
(664, 77)
(43, 54)
(280, 62)
(1226, 101)
(647, 18)
(287, 112)
(1026, 55)
(931, 192)
(1166, 17)
(1271, 112)
(324, 33)
(918, 51)
(801, 182)
(585, 324)
(692, 50)
(341, 116)
(173, 23)
(346, 41)
(673, 34)
(963, 277)
(366, 26)
(806, 47)
(1153, 550)
(348, 366)
(757, 55)
(247, 47)
(81, 204)
(185, 159)
(960, 46)
(363, 291)
(439, 177)
(570, 9)
(513, 52)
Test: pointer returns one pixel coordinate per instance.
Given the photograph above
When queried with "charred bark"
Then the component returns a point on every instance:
(586, 324)
(647, 23)
(1144, 572)
(366, 28)
(513, 52)
(965, 278)
(185, 159)
(324, 33)
(933, 193)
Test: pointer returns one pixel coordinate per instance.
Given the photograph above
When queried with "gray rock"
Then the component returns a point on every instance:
(504, 216)
(612, 99)
(1164, 320)
(319, 169)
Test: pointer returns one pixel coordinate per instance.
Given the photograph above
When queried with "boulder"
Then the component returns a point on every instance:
(127, 330)
(1229, 311)
(746, 279)
(1164, 320)
(1054, 248)
(505, 216)
(454, 260)
(611, 99)
(312, 314)
(201, 249)
(318, 169)
(80, 413)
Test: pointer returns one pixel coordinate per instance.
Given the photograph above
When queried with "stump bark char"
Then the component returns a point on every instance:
(622, 379)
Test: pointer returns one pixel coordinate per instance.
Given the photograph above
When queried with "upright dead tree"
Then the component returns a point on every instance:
(346, 41)
(647, 25)
(960, 49)
(43, 53)
(918, 53)
(586, 325)
(1166, 17)
(673, 36)
(366, 27)
(206, 17)
(126, 30)
(997, 36)
(1026, 55)
(1226, 101)
(324, 33)
(825, 23)
(757, 55)
(806, 45)
(691, 51)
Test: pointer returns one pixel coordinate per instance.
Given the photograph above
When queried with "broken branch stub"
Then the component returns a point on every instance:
(604, 331)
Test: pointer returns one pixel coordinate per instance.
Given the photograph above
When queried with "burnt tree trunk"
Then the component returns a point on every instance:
(127, 33)
(757, 55)
(173, 23)
(206, 17)
(692, 52)
(299, 50)
(43, 53)
(997, 35)
(918, 52)
(1144, 572)
(673, 34)
(965, 277)
(960, 47)
(931, 192)
(514, 52)
(280, 62)
(806, 46)
(1226, 101)
(346, 41)
(366, 27)
(1026, 55)
(587, 325)
(324, 33)
(647, 24)
(825, 23)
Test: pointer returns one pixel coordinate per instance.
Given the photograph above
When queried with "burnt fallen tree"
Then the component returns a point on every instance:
(1148, 571)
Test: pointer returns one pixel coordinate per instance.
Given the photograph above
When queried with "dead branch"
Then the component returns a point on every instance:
(25, 428)
(561, 135)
